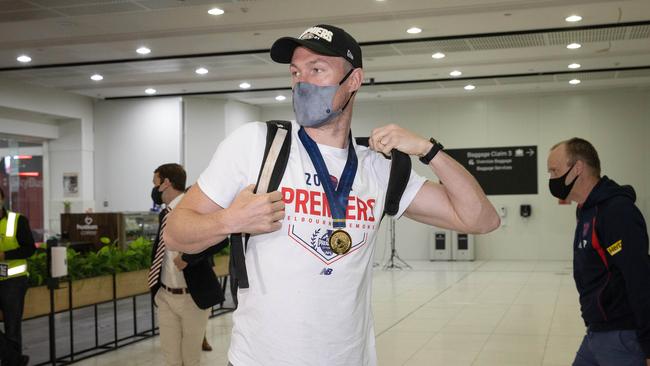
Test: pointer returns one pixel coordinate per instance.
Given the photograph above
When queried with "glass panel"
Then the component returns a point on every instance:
(21, 179)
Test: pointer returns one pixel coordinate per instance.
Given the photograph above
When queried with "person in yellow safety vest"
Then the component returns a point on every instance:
(16, 245)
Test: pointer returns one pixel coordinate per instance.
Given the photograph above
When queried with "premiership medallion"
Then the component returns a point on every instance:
(340, 242)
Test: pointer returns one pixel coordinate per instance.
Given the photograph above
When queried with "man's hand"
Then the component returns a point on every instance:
(256, 213)
(384, 139)
(179, 262)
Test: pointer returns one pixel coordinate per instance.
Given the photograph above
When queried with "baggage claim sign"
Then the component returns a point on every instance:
(501, 170)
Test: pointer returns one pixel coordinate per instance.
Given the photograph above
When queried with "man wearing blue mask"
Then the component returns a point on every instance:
(611, 266)
(309, 257)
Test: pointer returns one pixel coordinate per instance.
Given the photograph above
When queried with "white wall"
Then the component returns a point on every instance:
(204, 129)
(133, 138)
(64, 119)
(207, 122)
(238, 113)
(616, 122)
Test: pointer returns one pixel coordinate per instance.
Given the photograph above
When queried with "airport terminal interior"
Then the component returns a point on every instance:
(95, 95)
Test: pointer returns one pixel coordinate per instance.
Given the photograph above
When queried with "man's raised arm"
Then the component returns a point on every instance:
(198, 223)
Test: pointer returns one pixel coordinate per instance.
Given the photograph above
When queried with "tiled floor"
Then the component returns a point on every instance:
(447, 313)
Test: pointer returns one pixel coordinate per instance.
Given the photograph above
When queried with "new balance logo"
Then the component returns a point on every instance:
(326, 271)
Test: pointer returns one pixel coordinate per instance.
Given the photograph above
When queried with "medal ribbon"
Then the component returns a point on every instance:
(337, 198)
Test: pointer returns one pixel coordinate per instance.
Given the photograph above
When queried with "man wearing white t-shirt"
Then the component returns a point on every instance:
(309, 258)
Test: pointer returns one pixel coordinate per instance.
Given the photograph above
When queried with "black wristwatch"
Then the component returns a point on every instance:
(432, 153)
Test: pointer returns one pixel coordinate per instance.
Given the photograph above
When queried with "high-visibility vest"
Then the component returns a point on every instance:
(8, 241)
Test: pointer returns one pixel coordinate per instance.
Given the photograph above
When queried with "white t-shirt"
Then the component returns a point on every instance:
(170, 275)
(305, 305)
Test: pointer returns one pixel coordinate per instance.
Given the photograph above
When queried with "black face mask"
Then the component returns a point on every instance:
(558, 188)
(156, 195)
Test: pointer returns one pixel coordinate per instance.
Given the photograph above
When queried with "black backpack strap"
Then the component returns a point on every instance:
(274, 163)
(400, 172)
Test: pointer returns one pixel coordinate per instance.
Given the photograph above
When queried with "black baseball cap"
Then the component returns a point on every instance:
(323, 39)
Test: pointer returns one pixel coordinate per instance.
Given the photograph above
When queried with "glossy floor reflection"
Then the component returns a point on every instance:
(446, 313)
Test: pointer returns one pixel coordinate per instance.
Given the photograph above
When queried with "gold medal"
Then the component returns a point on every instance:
(340, 242)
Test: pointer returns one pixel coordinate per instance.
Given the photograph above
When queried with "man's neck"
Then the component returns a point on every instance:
(334, 133)
(584, 190)
(172, 196)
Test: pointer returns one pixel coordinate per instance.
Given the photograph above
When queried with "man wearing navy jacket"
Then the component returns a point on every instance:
(611, 266)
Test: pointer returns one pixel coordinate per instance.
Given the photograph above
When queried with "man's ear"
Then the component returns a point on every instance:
(579, 168)
(355, 80)
(169, 183)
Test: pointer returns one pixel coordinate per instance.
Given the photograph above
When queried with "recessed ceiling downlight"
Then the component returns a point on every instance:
(573, 18)
(215, 11)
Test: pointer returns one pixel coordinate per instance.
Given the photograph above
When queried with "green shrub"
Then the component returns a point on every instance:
(108, 260)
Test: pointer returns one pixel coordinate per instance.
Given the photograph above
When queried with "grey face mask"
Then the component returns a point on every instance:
(312, 104)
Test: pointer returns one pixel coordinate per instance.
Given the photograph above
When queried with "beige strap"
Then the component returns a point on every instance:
(271, 158)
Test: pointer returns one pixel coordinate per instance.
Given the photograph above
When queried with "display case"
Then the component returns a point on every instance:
(138, 224)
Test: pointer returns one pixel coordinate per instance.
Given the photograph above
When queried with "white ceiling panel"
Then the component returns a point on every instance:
(500, 40)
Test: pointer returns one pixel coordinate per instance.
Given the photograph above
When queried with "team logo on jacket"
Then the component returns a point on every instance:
(615, 248)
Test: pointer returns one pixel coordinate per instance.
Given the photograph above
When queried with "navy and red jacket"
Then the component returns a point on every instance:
(611, 266)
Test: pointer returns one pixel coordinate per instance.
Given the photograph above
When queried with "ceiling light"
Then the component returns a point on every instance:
(280, 98)
(438, 55)
(573, 18)
(201, 71)
(574, 66)
(143, 51)
(215, 11)
(574, 81)
(469, 87)
(244, 85)
(97, 77)
(413, 30)
(150, 91)
(573, 46)
(24, 59)
(455, 73)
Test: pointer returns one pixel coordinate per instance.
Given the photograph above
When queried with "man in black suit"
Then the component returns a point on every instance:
(184, 286)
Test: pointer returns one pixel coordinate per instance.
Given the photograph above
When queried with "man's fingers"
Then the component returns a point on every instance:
(275, 196)
(276, 226)
(277, 206)
(277, 216)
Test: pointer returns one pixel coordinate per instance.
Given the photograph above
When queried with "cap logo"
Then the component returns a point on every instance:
(318, 33)
(350, 56)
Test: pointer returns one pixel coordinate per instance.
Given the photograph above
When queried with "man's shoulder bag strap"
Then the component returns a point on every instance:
(400, 172)
(276, 157)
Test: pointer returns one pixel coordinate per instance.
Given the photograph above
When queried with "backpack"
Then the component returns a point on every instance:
(274, 163)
